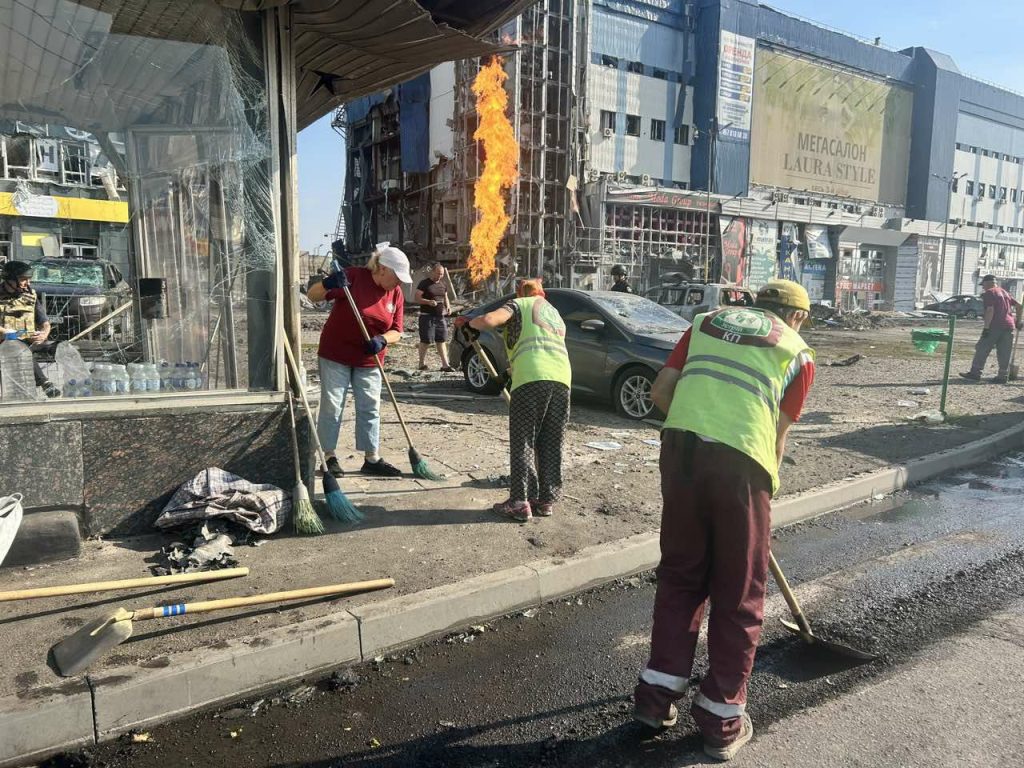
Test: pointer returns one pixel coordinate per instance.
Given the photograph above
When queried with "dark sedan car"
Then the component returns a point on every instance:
(617, 343)
(966, 306)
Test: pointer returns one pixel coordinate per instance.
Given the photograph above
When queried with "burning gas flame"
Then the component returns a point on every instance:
(501, 156)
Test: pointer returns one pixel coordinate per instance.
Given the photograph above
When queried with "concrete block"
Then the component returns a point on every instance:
(597, 565)
(134, 696)
(45, 537)
(38, 723)
(411, 618)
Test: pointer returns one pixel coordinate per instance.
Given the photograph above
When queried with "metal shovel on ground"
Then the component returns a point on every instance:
(802, 627)
(75, 653)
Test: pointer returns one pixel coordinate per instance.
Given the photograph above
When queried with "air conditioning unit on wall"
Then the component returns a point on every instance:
(620, 176)
(646, 180)
(608, 132)
(594, 175)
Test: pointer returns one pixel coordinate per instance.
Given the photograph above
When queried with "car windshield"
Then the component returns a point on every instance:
(640, 315)
(67, 273)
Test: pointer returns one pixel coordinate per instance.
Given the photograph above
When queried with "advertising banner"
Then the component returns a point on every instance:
(48, 155)
(813, 278)
(761, 252)
(823, 130)
(735, 86)
(789, 253)
(734, 243)
(929, 268)
(816, 242)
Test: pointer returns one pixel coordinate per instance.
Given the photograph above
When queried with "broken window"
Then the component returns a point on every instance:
(137, 157)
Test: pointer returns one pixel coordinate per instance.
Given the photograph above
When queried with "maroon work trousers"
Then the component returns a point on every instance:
(715, 530)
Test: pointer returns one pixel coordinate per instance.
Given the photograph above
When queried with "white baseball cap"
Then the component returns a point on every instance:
(395, 259)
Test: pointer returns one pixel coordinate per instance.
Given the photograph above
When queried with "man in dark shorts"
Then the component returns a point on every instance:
(432, 297)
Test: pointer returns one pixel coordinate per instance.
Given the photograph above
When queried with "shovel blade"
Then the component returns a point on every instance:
(75, 653)
(839, 648)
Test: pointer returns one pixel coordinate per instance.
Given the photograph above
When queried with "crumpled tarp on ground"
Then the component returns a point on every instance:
(215, 493)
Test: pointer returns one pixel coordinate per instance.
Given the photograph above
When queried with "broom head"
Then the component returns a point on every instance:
(338, 505)
(420, 467)
(305, 518)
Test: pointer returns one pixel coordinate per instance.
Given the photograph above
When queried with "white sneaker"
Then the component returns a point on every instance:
(728, 752)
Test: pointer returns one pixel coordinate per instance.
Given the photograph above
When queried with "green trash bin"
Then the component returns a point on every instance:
(928, 339)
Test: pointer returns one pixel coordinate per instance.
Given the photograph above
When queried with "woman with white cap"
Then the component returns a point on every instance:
(346, 358)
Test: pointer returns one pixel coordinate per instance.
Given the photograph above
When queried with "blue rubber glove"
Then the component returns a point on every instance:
(375, 345)
(336, 280)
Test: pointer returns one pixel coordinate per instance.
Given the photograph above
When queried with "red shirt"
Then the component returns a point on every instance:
(341, 339)
(1002, 304)
(792, 400)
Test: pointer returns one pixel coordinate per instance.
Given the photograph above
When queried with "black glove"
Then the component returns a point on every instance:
(984, 332)
(375, 345)
(336, 280)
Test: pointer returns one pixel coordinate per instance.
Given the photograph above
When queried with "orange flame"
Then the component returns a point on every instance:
(501, 159)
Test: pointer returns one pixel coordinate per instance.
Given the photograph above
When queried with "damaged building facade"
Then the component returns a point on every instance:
(720, 140)
(147, 176)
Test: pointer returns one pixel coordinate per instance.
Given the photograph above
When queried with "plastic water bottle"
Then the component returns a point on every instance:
(136, 377)
(85, 388)
(152, 378)
(165, 376)
(70, 362)
(122, 382)
(71, 388)
(16, 372)
(191, 377)
(98, 375)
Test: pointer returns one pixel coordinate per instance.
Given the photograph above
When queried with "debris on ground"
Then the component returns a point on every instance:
(604, 445)
(847, 362)
(140, 738)
(919, 391)
(208, 547)
(929, 417)
(907, 404)
(344, 680)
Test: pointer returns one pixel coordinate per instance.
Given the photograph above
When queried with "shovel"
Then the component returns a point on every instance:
(802, 627)
(75, 653)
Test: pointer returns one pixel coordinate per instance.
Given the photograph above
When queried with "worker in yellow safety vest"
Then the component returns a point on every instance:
(731, 389)
(534, 336)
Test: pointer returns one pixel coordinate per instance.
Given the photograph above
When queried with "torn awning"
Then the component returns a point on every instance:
(349, 48)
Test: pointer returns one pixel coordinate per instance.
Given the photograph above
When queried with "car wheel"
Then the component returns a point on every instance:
(478, 378)
(632, 393)
(970, 315)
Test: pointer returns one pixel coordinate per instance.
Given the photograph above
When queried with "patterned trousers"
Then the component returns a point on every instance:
(536, 424)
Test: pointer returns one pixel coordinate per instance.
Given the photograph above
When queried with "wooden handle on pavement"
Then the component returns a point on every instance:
(206, 606)
(106, 586)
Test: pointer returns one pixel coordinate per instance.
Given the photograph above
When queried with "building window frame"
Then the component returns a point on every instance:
(633, 124)
(657, 129)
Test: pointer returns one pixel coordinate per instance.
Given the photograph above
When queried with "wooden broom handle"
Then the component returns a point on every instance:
(489, 366)
(376, 359)
(105, 586)
(272, 597)
(297, 381)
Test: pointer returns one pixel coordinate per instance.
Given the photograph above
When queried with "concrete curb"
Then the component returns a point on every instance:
(125, 698)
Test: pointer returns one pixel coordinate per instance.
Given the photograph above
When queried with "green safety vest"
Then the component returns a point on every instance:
(739, 364)
(539, 353)
(18, 311)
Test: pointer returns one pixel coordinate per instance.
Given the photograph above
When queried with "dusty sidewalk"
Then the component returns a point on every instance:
(428, 534)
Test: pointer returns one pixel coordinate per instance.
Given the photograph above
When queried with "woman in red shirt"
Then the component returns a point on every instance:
(346, 358)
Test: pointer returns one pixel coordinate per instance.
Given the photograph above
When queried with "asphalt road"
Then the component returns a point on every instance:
(930, 581)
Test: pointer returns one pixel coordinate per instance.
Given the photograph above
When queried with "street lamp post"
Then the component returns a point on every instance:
(945, 231)
(713, 132)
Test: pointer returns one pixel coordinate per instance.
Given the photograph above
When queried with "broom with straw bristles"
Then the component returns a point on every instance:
(338, 505)
(305, 518)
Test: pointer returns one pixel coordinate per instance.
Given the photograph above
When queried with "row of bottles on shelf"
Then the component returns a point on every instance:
(115, 379)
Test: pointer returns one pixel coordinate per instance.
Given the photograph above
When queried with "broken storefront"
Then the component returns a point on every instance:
(148, 169)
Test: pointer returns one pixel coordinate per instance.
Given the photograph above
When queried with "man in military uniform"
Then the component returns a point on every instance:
(22, 313)
(621, 284)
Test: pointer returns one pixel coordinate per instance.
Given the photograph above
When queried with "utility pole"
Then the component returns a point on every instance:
(713, 132)
(945, 232)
